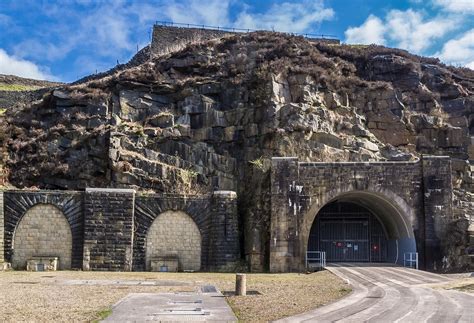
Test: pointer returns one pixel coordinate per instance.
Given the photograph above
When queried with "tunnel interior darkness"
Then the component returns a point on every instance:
(362, 227)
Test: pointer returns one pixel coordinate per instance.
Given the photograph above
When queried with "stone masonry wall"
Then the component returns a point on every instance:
(43, 231)
(224, 240)
(171, 38)
(437, 203)
(168, 38)
(299, 190)
(150, 207)
(174, 233)
(215, 216)
(108, 229)
(70, 203)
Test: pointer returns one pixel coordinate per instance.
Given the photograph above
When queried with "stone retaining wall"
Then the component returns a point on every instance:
(108, 228)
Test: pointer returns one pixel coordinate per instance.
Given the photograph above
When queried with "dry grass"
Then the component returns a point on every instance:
(17, 87)
(44, 296)
(463, 284)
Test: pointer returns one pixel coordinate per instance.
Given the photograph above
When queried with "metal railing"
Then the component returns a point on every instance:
(315, 259)
(233, 29)
(410, 259)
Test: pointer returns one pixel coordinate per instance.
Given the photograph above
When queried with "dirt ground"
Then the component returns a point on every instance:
(50, 296)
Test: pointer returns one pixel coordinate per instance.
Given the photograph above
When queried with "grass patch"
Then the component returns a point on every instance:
(17, 87)
(103, 314)
(258, 163)
(2, 111)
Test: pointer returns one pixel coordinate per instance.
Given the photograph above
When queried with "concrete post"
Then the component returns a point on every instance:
(240, 284)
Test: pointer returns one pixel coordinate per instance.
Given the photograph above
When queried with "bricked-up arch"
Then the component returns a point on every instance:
(42, 231)
(149, 207)
(17, 203)
(174, 233)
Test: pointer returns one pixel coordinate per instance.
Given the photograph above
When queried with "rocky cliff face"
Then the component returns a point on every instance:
(212, 114)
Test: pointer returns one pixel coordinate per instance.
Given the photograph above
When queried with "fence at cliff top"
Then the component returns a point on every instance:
(233, 29)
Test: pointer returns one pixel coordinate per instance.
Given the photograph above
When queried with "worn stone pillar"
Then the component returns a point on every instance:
(108, 229)
(437, 205)
(283, 242)
(2, 230)
(224, 247)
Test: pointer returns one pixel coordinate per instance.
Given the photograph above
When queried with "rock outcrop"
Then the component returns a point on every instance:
(210, 116)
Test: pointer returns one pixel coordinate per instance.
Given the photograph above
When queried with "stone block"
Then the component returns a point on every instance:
(42, 264)
(162, 120)
(328, 139)
(168, 263)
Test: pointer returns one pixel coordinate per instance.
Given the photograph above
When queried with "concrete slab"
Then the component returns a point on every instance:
(121, 282)
(199, 306)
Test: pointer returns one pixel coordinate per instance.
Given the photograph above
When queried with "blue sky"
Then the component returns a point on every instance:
(67, 39)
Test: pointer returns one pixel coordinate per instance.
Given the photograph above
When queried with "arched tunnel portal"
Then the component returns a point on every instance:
(362, 227)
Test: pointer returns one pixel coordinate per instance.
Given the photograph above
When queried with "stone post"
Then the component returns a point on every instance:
(437, 204)
(224, 251)
(108, 229)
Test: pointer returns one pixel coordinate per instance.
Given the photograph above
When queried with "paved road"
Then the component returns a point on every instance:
(392, 294)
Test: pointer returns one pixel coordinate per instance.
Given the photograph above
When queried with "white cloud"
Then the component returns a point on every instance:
(287, 16)
(370, 32)
(458, 6)
(408, 29)
(412, 32)
(12, 65)
(211, 12)
(37, 50)
(5, 20)
(459, 51)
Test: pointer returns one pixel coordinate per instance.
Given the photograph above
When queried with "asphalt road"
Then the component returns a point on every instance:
(384, 293)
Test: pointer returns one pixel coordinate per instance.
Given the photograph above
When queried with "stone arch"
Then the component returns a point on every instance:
(174, 233)
(42, 231)
(396, 215)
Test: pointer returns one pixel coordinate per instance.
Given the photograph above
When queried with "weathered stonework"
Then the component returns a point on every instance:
(18, 203)
(116, 229)
(398, 192)
(108, 229)
(224, 239)
(209, 116)
(43, 231)
(174, 233)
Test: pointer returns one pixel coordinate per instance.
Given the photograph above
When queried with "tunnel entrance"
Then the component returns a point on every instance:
(348, 232)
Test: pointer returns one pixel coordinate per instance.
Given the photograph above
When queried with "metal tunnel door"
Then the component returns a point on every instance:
(348, 232)
(345, 240)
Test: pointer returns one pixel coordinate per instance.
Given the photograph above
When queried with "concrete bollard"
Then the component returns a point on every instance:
(240, 285)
